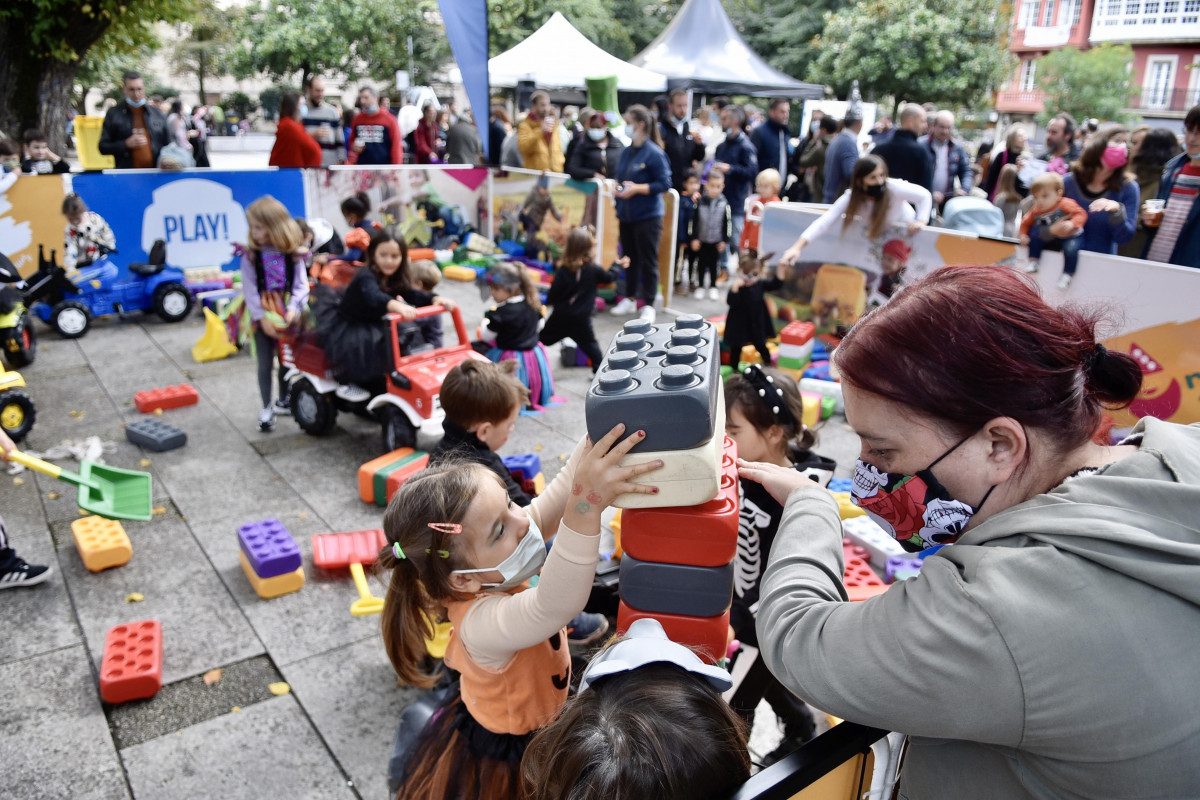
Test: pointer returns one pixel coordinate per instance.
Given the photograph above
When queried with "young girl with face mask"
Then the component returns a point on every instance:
(879, 201)
(460, 549)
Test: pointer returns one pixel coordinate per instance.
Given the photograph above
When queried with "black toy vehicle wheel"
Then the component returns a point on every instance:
(20, 343)
(172, 302)
(16, 413)
(71, 319)
(397, 430)
(315, 413)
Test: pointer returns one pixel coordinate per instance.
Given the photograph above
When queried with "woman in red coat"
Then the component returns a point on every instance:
(293, 146)
(425, 137)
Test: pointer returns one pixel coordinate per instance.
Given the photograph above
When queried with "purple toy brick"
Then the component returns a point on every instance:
(269, 548)
(898, 563)
(205, 286)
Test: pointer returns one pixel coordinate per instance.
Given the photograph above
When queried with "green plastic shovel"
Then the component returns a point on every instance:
(103, 490)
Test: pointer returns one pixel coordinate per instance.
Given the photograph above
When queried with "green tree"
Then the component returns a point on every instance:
(204, 44)
(1087, 84)
(356, 39)
(937, 51)
(42, 44)
(781, 31)
(238, 103)
(125, 46)
(269, 99)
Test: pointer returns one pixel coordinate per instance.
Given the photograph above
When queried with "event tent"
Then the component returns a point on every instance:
(722, 64)
(558, 56)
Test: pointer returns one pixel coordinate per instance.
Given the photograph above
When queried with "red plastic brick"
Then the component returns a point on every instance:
(851, 550)
(131, 668)
(860, 580)
(797, 333)
(168, 397)
(706, 635)
(398, 476)
(340, 550)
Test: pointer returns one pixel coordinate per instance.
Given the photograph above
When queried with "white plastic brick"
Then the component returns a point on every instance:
(875, 540)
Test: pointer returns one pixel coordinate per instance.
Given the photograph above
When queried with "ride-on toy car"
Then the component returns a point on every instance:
(16, 407)
(409, 400)
(99, 290)
(17, 337)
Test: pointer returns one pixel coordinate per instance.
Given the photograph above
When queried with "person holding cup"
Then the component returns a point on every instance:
(1149, 151)
(323, 121)
(1177, 239)
(134, 131)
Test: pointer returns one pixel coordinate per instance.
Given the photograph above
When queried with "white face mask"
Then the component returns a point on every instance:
(596, 134)
(522, 564)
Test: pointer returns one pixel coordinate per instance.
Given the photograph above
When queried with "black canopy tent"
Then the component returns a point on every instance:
(724, 65)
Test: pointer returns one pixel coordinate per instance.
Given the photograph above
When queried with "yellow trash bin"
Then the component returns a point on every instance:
(87, 143)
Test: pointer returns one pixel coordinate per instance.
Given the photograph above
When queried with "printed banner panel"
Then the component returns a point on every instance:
(31, 215)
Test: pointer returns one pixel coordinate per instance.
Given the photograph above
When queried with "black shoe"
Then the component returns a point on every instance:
(23, 574)
(788, 746)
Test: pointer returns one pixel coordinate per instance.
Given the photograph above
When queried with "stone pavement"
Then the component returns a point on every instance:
(330, 736)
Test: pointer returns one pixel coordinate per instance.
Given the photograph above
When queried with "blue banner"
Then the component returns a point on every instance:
(200, 214)
(466, 24)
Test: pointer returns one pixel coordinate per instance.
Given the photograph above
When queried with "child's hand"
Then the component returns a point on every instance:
(406, 312)
(445, 302)
(600, 477)
(623, 262)
(915, 226)
(268, 328)
(1063, 229)
(1024, 240)
(291, 317)
(720, 247)
(695, 245)
(6, 445)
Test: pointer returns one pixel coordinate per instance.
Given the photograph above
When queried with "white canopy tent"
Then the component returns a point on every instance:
(558, 56)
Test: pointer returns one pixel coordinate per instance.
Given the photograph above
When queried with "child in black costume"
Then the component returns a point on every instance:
(749, 320)
(573, 295)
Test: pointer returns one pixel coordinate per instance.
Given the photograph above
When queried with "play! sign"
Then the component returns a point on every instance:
(198, 219)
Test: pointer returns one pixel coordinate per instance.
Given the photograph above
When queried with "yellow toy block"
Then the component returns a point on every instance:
(457, 272)
(102, 543)
(750, 354)
(266, 588)
(539, 483)
(846, 508)
(812, 410)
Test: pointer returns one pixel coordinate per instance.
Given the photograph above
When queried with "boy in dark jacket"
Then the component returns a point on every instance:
(688, 198)
(710, 233)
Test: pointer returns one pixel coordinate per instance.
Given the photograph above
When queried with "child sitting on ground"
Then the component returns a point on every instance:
(510, 330)
(685, 258)
(426, 277)
(648, 722)
(712, 228)
(573, 295)
(40, 160)
(460, 549)
(749, 320)
(1059, 222)
(767, 186)
(86, 235)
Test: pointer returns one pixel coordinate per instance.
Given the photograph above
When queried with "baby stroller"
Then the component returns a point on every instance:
(974, 215)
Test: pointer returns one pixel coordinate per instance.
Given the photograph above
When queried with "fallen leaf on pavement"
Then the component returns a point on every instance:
(158, 413)
(236, 709)
(158, 510)
(18, 481)
(134, 597)
(145, 462)
(212, 676)
(279, 688)
(53, 495)
(537, 448)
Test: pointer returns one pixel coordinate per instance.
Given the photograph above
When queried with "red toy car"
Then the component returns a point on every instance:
(408, 404)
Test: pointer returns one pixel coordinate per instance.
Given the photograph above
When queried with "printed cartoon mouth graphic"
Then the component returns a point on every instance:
(946, 516)
(866, 484)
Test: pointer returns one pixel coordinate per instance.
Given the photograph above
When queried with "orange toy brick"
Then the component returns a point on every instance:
(373, 486)
(708, 636)
(860, 580)
(402, 473)
(266, 588)
(168, 397)
(131, 668)
(102, 543)
(340, 550)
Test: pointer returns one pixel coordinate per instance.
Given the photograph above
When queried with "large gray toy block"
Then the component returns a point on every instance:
(676, 588)
(155, 435)
(663, 379)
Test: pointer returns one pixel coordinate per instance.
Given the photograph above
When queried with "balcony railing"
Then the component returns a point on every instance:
(1169, 100)
(1020, 101)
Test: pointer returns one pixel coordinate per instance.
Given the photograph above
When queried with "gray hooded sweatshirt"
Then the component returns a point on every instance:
(1054, 652)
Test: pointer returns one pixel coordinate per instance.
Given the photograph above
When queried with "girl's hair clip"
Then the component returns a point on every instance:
(446, 527)
(440, 553)
(398, 552)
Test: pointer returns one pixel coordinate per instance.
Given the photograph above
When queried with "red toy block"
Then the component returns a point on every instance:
(131, 667)
(797, 333)
(851, 550)
(168, 397)
(860, 580)
(701, 536)
(398, 476)
(706, 635)
(340, 550)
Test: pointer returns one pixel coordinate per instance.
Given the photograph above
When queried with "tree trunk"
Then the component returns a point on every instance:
(200, 74)
(54, 98)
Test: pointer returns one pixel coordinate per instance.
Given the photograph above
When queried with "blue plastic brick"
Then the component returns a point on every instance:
(663, 379)
(840, 485)
(527, 464)
(676, 588)
(897, 564)
(819, 352)
(155, 435)
(269, 548)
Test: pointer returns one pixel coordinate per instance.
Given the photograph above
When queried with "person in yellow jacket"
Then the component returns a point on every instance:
(538, 138)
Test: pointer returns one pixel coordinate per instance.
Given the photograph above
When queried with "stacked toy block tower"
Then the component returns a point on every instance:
(796, 347)
(270, 558)
(679, 545)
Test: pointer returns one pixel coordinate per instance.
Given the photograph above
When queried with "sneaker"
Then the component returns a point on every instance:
(352, 393)
(1064, 281)
(586, 629)
(723, 277)
(283, 407)
(713, 294)
(627, 306)
(647, 313)
(266, 420)
(699, 293)
(1031, 267)
(22, 574)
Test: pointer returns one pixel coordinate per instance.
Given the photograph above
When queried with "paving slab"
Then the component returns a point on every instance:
(54, 352)
(267, 748)
(142, 365)
(56, 740)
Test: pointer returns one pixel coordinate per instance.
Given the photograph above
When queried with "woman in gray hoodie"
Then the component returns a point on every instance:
(1053, 650)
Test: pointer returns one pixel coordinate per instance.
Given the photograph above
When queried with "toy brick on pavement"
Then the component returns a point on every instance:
(532, 486)
(455, 272)
(860, 580)
(796, 344)
(706, 635)
(398, 476)
(527, 465)
(373, 475)
(131, 667)
(168, 397)
(154, 434)
(662, 379)
(340, 550)
(846, 508)
(269, 548)
(864, 532)
(266, 588)
(676, 588)
(102, 543)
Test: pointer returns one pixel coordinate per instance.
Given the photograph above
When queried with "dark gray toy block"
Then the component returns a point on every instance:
(676, 588)
(155, 435)
(663, 379)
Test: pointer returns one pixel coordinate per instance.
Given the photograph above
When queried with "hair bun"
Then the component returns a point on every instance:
(1114, 378)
